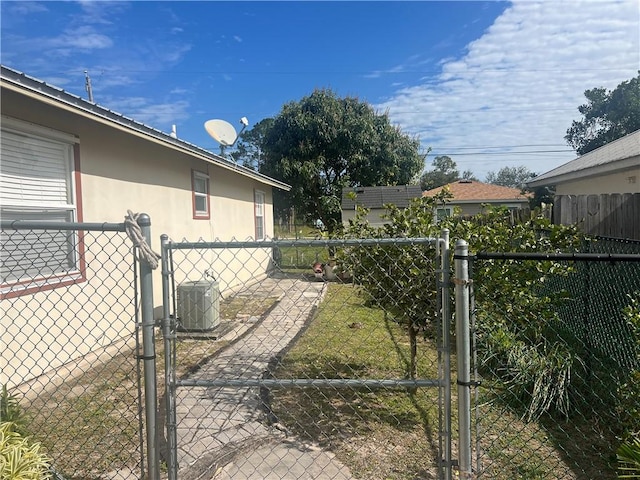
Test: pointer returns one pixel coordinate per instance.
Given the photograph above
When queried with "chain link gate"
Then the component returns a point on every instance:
(72, 350)
(327, 369)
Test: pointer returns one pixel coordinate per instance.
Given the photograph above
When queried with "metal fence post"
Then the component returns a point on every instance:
(445, 366)
(463, 355)
(168, 334)
(149, 353)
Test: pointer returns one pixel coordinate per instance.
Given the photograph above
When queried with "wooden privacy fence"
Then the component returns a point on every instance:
(609, 215)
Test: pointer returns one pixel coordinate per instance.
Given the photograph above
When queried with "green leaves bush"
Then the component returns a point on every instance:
(400, 279)
(516, 334)
(19, 458)
(628, 454)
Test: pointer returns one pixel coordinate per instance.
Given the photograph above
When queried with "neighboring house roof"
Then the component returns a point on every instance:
(379, 196)
(618, 155)
(467, 191)
(32, 87)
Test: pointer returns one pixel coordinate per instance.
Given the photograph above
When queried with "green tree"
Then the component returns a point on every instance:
(249, 148)
(444, 171)
(514, 177)
(468, 175)
(607, 116)
(515, 317)
(399, 279)
(323, 143)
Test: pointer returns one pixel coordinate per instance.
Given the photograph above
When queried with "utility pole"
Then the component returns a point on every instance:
(87, 85)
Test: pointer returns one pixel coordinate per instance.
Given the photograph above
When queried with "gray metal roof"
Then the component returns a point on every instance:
(618, 155)
(24, 82)
(377, 197)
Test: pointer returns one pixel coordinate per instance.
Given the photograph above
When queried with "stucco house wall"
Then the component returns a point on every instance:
(374, 216)
(627, 181)
(118, 169)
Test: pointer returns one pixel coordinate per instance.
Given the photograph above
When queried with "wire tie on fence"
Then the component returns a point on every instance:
(459, 281)
(145, 253)
(468, 384)
(145, 357)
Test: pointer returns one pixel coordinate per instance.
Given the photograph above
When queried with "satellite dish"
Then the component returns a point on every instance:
(221, 131)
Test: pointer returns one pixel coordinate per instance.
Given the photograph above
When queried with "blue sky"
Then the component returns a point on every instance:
(491, 84)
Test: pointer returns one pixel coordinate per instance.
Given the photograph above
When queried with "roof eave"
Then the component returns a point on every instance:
(597, 170)
(488, 200)
(40, 91)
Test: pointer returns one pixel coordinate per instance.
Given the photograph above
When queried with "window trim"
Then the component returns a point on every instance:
(446, 209)
(200, 215)
(256, 195)
(43, 283)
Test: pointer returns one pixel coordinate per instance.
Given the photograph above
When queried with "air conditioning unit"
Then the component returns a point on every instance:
(198, 305)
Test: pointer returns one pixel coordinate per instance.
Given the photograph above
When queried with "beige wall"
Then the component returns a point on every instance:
(620, 182)
(475, 208)
(374, 217)
(121, 172)
(375, 220)
(47, 329)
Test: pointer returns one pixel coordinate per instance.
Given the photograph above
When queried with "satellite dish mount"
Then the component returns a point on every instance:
(224, 133)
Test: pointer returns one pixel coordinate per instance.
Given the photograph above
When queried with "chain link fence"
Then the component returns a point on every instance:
(288, 371)
(68, 346)
(338, 366)
(556, 358)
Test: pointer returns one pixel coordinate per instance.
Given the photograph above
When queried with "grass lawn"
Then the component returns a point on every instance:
(388, 433)
(393, 433)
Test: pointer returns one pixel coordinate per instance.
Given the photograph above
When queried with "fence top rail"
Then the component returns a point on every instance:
(299, 243)
(577, 257)
(47, 225)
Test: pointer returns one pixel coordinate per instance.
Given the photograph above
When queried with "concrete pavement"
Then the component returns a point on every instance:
(223, 432)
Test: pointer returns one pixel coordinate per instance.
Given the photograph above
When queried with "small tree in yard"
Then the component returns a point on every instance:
(516, 318)
(399, 278)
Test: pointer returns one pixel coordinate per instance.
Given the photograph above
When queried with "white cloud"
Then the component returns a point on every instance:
(101, 12)
(521, 82)
(157, 115)
(84, 38)
(237, 38)
(27, 8)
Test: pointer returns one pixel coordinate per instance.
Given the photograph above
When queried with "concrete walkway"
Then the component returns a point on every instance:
(222, 432)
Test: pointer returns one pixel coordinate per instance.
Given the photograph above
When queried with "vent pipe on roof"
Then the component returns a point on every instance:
(87, 85)
(174, 132)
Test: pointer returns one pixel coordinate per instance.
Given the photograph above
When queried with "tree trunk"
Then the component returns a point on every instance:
(413, 343)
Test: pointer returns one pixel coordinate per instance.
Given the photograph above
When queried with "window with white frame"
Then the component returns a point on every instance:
(200, 185)
(258, 197)
(443, 212)
(37, 184)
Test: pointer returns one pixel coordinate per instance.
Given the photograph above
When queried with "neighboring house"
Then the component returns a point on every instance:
(599, 190)
(470, 197)
(374, 199)
(66, 159)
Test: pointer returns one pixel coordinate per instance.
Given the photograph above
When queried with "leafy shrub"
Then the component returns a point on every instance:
(10, 410)
(19, 458)
(398, 278)
(516, 335)
(628, 456)
(628, 453)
